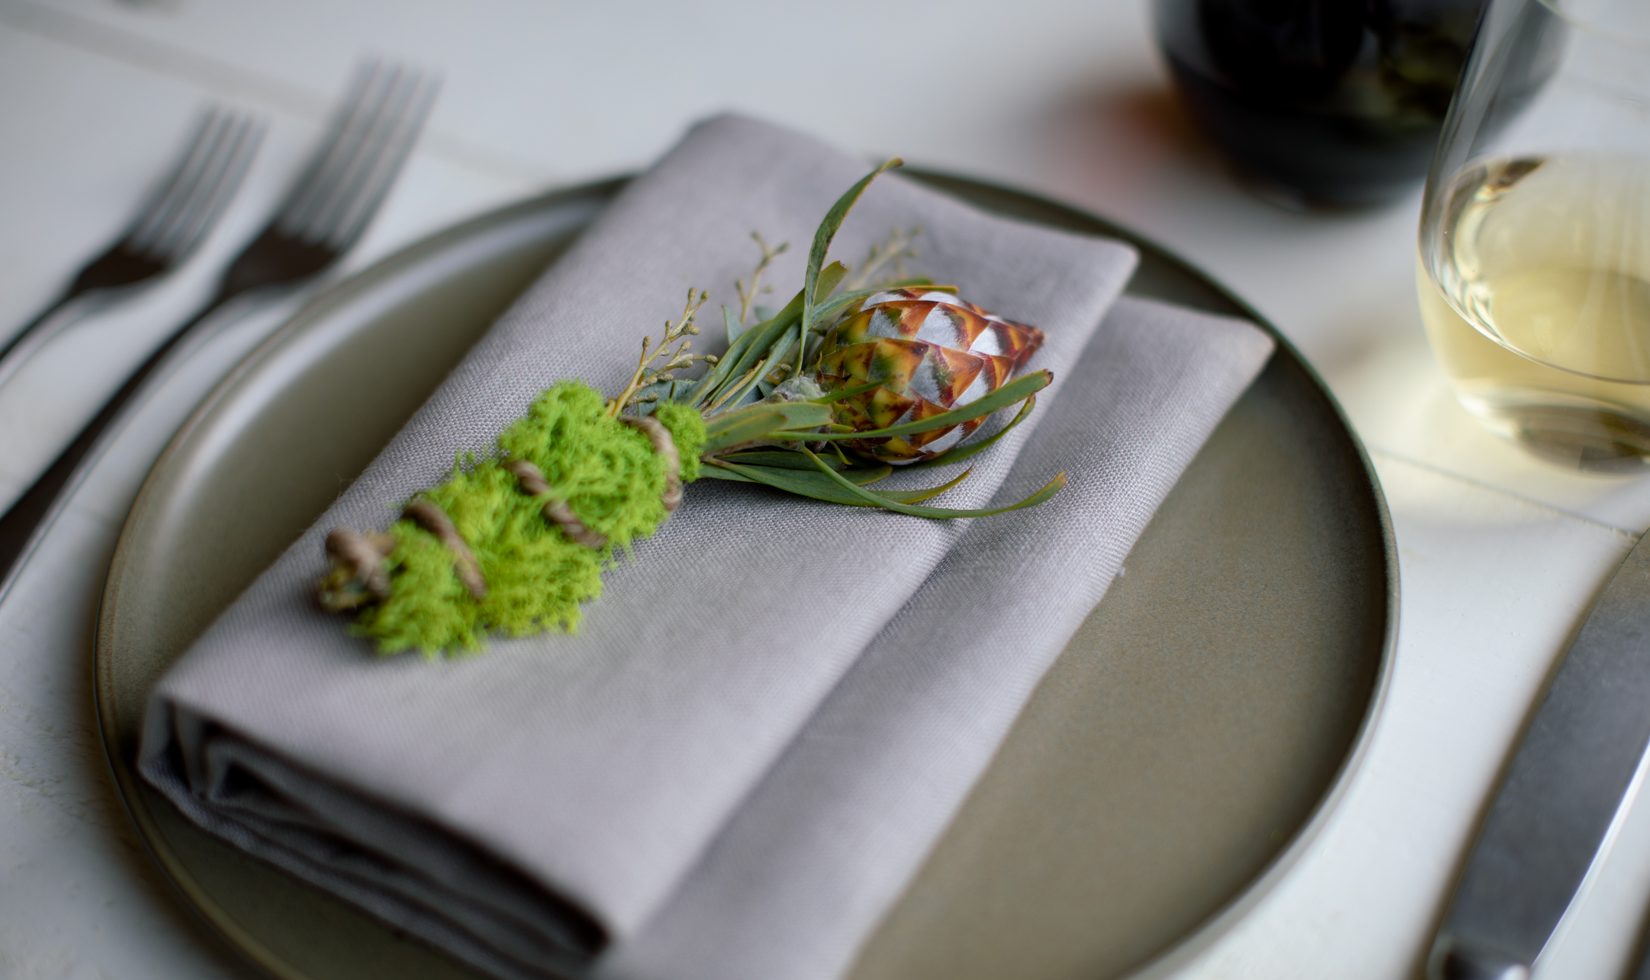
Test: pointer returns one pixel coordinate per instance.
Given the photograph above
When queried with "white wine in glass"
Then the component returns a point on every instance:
(1534, 271)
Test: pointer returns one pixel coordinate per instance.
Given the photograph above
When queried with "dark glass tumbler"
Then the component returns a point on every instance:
(1320, 103)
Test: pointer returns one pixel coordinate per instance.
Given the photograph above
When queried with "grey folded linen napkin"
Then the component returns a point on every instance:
(808, 865)
(527, 807)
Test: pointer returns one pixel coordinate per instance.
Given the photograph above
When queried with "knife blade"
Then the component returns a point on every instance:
(1567, 782)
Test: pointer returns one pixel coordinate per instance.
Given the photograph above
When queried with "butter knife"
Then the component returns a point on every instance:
(1568, 780)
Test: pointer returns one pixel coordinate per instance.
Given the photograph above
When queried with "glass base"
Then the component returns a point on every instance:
(1594, 438)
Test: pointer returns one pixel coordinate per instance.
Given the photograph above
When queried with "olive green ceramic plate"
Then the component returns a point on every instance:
(1196, 732)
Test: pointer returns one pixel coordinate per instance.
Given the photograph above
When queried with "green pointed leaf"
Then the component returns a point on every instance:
(755, 346)
(780, 416)
(754, 340)
(917, 496)
(746, 350)
(881, 500)
(732, 325)
(857, 477)
(717, 472)
(791, 315)
(790, 481)
(1006, 395)
(787, 460)
(739, 425)
(815, 485)
(740, 357)
(822, 241)
(709, 387)
(778, 355)
(749, 397)
(760, 421)
(960, 453)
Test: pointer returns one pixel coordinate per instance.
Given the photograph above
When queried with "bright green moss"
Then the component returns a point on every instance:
(609, 475)
(687, 430)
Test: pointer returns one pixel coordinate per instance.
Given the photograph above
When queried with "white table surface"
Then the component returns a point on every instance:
(1500, 555)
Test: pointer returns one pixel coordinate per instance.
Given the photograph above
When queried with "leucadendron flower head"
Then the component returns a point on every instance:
(930, 353)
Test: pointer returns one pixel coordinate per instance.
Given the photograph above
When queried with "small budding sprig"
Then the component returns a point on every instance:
(747, 297)
(680, 359)
(898, 247)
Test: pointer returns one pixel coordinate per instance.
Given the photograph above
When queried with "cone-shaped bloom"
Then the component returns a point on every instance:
(932, 352)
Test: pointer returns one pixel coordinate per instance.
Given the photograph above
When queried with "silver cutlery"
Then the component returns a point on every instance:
(166, 230)
(1568, 782)
(322, 217)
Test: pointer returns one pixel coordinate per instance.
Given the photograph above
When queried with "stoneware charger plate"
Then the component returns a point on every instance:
(1198, 730)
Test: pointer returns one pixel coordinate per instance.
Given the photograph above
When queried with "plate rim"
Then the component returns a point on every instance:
(1180, 953)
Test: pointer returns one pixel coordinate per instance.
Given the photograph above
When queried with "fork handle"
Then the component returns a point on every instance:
(21, 526)
(22, 344)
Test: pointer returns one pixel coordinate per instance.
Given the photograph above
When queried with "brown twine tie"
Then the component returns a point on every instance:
(665, 446)
(555, 509)
(361, 559)
(435, 520)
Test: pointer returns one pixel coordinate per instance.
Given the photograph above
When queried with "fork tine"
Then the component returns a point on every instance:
(365, 143)
(161, 235)
(358, 141)
(344, 136)
(212, 193)
(362, 188)
(362, 144)
(356, 208)
(156, 208)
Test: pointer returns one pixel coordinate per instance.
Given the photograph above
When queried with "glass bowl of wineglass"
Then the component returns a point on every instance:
(1534, 258)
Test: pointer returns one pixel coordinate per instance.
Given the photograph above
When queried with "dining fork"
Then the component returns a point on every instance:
(322, 216)
(166, 230)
